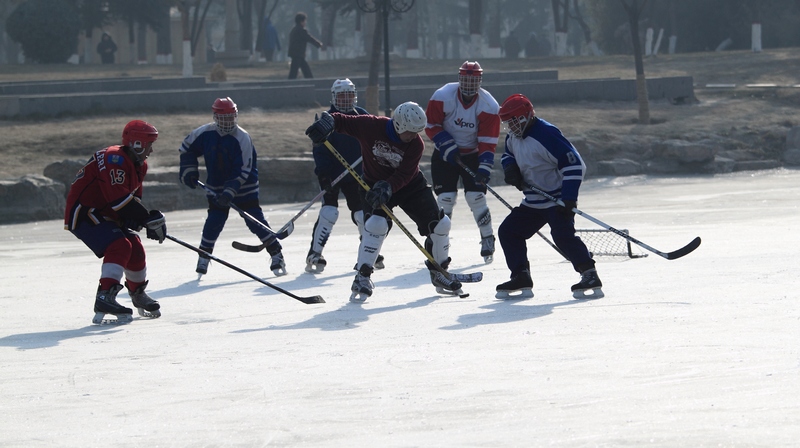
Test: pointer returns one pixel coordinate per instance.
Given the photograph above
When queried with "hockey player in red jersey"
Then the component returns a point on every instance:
(464, 125)
(104, 209)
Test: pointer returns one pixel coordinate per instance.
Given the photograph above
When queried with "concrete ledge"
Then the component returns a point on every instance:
(100, 85)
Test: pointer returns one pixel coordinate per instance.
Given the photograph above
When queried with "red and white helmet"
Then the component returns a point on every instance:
(517, 111)
(409, 116)
(343, 95)
(225, 114)
(469, 78)
(139, 136)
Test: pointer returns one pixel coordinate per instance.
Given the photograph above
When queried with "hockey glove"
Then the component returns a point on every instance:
(321, 129)
(446, 146)
(224, 199)
(566, 210)
(486, 163)
(379, 194)
(513, 176)
(189, 177)
(156, 226)
(325, 183)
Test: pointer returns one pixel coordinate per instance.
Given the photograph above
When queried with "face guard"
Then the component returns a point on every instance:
(225, 114)
(139, 136)
(343, 95)
(470, 76)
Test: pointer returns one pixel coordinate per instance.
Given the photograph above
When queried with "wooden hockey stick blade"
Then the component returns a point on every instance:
(685, 250)
(247, 248)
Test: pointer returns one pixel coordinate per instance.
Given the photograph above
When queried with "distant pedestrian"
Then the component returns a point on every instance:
(298, 38)
(512, 46)
(270, 42)
(106, 49)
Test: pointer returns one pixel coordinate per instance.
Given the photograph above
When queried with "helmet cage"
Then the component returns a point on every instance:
(517, 112)
(470, 76)
(225, 115)
(516, 125)
(343, 95)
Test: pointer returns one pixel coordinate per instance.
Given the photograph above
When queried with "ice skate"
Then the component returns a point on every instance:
(444, 283)
(589, 286)
(106, 303)
(145, 304)
(487, 249)
(519, 287)
(362, 285)
(202, 265)
(277, 265)
(379, 262)
(315, 262)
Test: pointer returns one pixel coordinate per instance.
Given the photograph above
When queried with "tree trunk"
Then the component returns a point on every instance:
(186, 51)
(475, 27)
(141, 43)
(373, 100)
(88, 47)
(634, 9)
(412, 33)
(164, 39)
(244, 10)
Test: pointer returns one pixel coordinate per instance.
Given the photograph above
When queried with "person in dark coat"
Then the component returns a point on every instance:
(106, 49)
(298, 38)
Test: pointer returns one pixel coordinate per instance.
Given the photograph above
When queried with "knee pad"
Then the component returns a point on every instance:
(358, 219)
(447, 201)
(376, 225)
(323, 227)
(375, 230)
(438, 241)
(329, 213)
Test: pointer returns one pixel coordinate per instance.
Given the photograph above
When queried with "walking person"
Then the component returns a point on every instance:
(106, 49)
(391, 150)
(232, 176)
(464, 124)
(104, 209)
(298, 38)
(537, 154)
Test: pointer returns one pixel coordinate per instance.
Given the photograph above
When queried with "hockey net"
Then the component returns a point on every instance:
(605, 243)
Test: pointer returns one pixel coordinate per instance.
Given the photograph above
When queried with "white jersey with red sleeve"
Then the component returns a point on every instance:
(475, 127)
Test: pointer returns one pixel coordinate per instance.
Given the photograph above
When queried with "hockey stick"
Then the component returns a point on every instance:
(471, 173)
(685, 250)
(289, 226)
(248, 216)
(465, 278)
(306, 300)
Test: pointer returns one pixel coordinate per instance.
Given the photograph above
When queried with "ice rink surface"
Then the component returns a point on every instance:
(697, 352)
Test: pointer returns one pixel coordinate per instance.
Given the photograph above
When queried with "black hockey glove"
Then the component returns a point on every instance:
(224, 199)
(325, 183)
(513, 176)
(190, 178)
(566, 210)
(321, 129)
(156, 226)
(379, 194)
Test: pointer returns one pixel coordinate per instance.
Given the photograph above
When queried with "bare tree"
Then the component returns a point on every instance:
(561, 20)
(634, 9)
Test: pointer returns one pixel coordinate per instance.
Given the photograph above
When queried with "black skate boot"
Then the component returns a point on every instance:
(315, 262)
(276, 263)
(145, 304)
(444, 283)
(487, 249)
(362, 285)
(589, 286)
(519, 287)
(203, 262)
(106, 303)
(379, 262)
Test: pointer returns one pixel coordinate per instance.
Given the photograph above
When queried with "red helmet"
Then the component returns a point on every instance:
(469, 78)
(225, 114)
(139, 136)
(518, 111)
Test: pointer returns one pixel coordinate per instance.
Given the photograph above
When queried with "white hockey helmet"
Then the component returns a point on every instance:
(409, 117)
(343, 95)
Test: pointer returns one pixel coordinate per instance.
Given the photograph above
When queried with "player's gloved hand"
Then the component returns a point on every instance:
(156, 225)
(379, 194)
(485, 165)
(190, 177)
(446, 146)
(224, 199)
(321, 129)
(513, 176)
(325, 183)
(566, 210)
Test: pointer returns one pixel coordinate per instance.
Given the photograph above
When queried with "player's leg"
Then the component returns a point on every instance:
(215, 222)
(444, 177)
(513, 233)
(136, 280)
(475, 196)
(562, 230)
(323, 227)
(352, 196)
(249, 204)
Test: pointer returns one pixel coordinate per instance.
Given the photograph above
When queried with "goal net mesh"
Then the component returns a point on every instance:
(605, 243)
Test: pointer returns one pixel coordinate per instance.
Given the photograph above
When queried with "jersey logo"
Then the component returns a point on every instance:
(463, 124)
(385, 156)
(115, 159)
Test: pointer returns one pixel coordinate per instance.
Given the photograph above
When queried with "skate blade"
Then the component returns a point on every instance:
(588, 294)
(155, 314)
(459, 292)
(99, 319)
(279, 272)
(358, 297)
(488, 259)
(519, 294)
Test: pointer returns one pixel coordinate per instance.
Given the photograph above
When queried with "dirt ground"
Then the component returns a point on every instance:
(754, 118)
